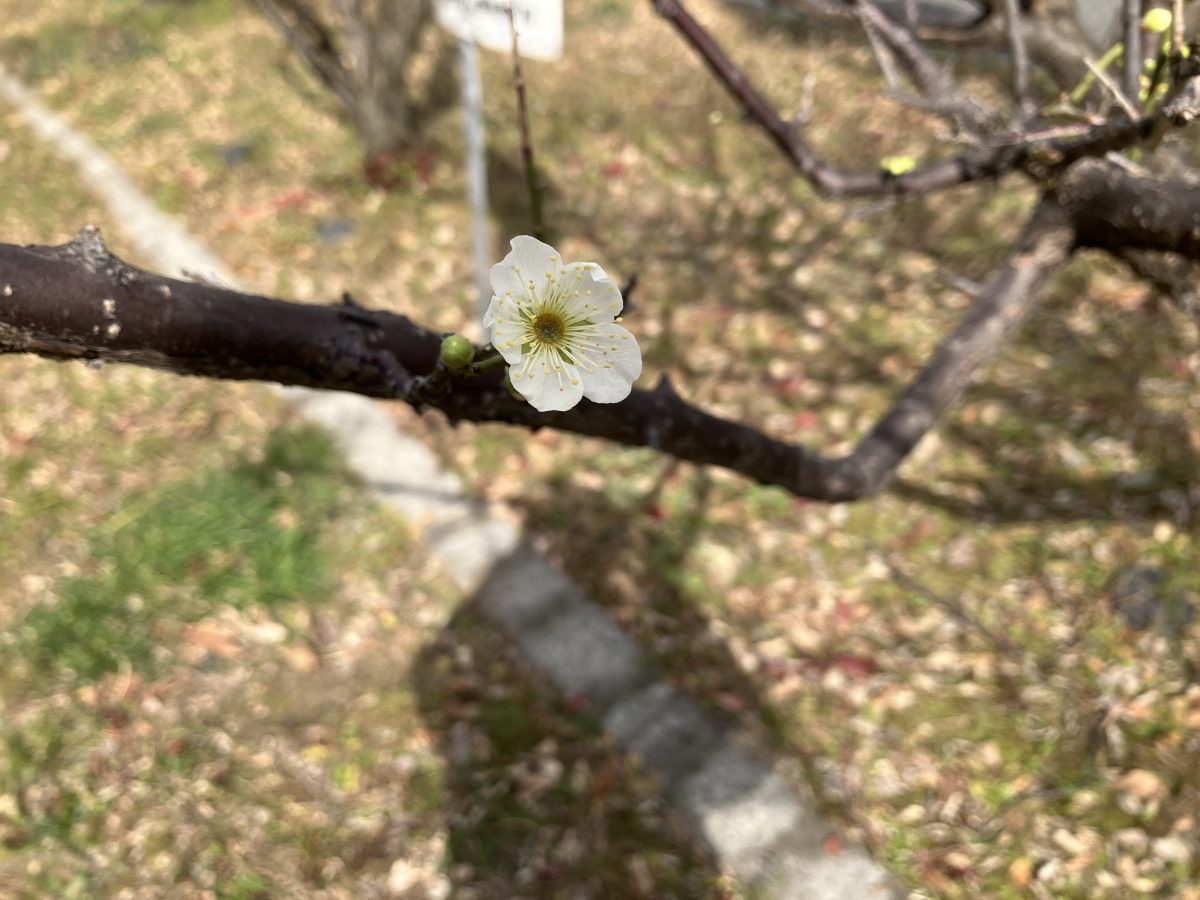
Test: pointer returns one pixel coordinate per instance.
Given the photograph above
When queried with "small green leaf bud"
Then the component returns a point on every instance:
(457, 351)
(1157, 20)
(898, 165)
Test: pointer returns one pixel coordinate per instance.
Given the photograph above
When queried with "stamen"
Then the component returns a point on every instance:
(548, 328)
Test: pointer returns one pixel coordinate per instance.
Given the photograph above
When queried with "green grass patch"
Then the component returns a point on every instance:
(248, 534)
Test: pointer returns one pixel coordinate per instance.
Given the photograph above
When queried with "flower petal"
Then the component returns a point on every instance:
(618, 366)
(489, 317)
(590, 294)
(506, 282)
(534, 256)
(547, 383)
(505, 328)
(529, 260)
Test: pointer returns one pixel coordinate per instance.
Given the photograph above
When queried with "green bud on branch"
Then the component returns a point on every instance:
(457, 351)
(898, 165)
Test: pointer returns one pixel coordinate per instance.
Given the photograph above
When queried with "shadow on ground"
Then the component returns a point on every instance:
(538, 802)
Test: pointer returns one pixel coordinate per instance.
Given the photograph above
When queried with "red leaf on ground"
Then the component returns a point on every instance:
(297, 198)
(775, 668)
(856, 665)
(730, 702)
(788, 386)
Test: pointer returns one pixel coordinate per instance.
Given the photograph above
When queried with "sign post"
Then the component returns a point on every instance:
(539, 25)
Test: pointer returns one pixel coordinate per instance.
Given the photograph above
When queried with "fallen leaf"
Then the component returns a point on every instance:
(1142, 783)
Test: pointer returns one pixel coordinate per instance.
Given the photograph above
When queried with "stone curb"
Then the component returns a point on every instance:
(755, 824)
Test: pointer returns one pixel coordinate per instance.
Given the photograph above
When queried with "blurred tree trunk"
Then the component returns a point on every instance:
(363, 53)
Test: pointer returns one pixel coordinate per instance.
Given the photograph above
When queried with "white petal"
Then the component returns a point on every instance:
(547, 384)
(619, 365)
(591, 294)
(598, 274)
(534, 255)
(529, 260)
(505, 281)
(505, 328)
(490, 316)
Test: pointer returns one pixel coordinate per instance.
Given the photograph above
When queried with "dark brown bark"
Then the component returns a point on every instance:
(1172, 275)
(1114, 209)
(77, 301)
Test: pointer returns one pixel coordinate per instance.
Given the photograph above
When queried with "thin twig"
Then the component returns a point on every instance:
(954, 607)
(1131, 18)
(1020, 60)
(883, 56)
(1112, 87)
(627, 304)
(1005, 155)
(307, 34)
(929, 75)
(531, 176)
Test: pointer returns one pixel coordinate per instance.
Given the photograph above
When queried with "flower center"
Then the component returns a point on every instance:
(548, 328)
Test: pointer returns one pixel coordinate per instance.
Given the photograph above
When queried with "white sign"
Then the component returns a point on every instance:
(539, 24)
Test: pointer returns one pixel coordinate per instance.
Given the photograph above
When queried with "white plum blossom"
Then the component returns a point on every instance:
(555, 325)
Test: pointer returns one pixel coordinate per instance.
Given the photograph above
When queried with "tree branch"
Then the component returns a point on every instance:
(1171, 275)
(1108, 206)
(1114, 89)
(78, 301)
(1058, 52)
(1131, 27)
(1001, 305)
(1020, 59)
(932, 79)
(1036, 153)
(311, 38)
(883, 56)
(1112, 209)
